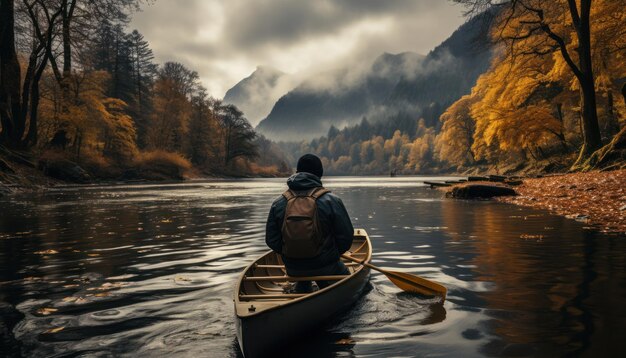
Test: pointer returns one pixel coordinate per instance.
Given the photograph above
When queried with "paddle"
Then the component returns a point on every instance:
(406, 281)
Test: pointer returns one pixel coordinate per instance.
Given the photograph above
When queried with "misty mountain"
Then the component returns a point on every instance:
(256, 94)
(406, 85)
(341, 97)
(449, 72)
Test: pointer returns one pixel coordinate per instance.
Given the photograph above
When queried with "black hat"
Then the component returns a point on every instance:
(311, 164)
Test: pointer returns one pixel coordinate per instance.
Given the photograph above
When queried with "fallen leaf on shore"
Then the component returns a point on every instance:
(594, 198)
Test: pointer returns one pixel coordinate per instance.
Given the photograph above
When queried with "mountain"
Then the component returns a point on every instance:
(405, 85)
(449, 72)
(256, 94)
(341, 97)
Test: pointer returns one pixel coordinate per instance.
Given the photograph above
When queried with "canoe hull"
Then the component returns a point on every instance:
(261, 335)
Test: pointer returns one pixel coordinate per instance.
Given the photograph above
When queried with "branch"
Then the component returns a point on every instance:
(573, 9)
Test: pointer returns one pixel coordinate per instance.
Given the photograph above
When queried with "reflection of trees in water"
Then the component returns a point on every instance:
(544, 285)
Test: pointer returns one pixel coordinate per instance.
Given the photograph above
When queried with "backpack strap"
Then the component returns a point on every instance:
(316, 193)
(289, 194)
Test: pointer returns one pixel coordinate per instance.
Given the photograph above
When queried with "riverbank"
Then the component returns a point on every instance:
(22, 171)
(597, 198)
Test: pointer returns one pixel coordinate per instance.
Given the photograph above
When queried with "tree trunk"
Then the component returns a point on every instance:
(10, 105)
(612, 126)
(67, 16)
(31, 137)
(591, 128)
(561, 135)
(624, 92)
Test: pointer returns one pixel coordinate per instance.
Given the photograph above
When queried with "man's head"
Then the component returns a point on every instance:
(311, 164)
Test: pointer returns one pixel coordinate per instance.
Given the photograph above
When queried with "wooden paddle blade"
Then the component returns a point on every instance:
(407, 281)
(415, 284)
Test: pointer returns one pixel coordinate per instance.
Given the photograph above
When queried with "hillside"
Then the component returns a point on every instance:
(403, 85)
(450, 71)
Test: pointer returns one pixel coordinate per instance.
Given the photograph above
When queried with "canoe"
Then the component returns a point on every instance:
(268, 316)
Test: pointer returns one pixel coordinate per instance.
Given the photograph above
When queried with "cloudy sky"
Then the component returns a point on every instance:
(225, 40)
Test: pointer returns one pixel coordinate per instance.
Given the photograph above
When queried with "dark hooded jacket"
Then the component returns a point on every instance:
(332, 215)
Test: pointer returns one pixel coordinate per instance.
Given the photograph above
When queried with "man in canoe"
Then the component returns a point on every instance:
(309, 227)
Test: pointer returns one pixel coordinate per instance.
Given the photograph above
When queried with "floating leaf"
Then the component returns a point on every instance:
(345, 341)
(47, 252)
(54, 330)
(46, 311)
(530, 236)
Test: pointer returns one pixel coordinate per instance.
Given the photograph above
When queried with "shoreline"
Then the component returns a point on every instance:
(597, 198)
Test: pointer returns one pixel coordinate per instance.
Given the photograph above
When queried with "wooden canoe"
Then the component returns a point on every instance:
(267, 317)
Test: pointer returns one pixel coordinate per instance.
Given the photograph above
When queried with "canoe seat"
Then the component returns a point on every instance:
(295, 279)
(272, 297)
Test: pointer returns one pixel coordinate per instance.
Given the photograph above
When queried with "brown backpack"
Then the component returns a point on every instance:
(302, 235)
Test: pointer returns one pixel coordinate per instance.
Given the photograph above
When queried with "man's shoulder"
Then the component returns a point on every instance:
(279, 200)
(330, 198)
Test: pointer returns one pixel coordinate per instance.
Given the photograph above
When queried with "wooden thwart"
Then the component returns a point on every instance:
(295, 279)
(283, 266)
(278, 296)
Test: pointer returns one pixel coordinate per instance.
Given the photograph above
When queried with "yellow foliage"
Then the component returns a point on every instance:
(161, 158)
(421, 151)
(454, 142)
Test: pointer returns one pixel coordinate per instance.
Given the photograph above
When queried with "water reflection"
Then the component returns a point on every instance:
(149, 269)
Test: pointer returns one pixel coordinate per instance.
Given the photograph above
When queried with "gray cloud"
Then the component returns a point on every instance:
(255, 23)
(224, 40)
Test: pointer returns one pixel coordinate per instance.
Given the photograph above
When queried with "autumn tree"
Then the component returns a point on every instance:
(454, 142)
(547, 26)
(174, 88)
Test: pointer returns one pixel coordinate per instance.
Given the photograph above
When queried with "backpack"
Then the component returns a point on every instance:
(302, 235)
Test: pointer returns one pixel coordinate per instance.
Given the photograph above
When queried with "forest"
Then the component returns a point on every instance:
(77, 85)
(552, 100)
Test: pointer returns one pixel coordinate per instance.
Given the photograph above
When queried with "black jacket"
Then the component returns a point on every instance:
(332, 215)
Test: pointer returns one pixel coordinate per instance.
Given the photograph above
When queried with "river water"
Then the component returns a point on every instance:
(148, 270)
